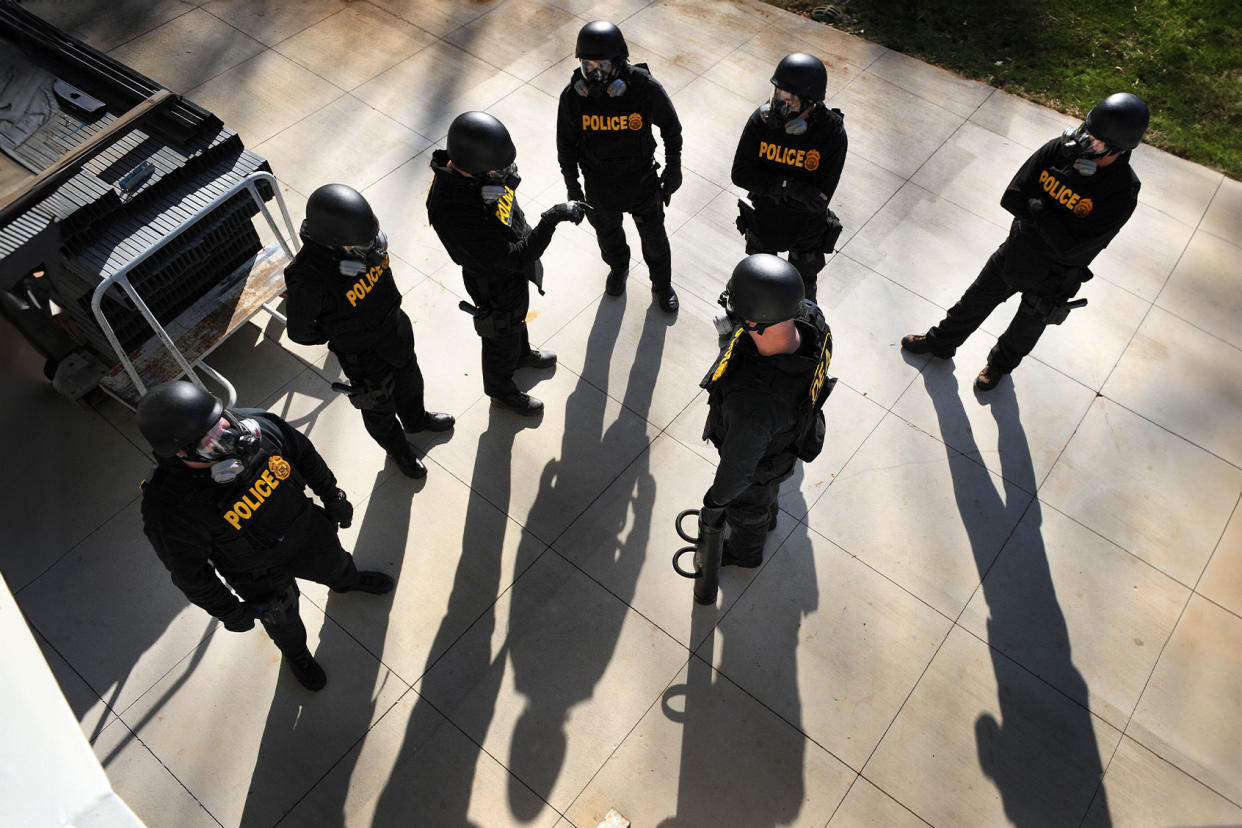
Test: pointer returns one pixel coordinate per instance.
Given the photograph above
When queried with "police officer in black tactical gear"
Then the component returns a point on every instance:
(789, 161)
(604, 125)
(1068, 201)
(341, 291)
(227, 501)
(473, 208)
(765, 394)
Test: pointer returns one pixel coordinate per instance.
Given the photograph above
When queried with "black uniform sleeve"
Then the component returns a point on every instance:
(182, 546)
(299, 449)
(748, 173)
(488, 242)
(303, 304)
(568, 133)
(665, 117)
(1025, 182)
(750, 426)
(832, 158)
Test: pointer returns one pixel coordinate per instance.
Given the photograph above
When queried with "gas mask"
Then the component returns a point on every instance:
(780, 113)
(358, 257)
(496, 181)
(600, 77)
(1084, 148)
(229, 447)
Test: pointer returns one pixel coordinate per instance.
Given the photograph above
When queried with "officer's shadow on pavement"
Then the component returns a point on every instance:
(1026, 619)
(716, 777)
(347, 705)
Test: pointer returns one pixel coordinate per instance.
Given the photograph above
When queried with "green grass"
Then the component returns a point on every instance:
(1183, 57)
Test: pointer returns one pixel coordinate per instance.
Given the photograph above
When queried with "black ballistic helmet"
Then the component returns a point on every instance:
(802, 74)
(1119, 121)
(600, 40)
(766, 289)
(478, 142)
(338, 216)
(176, 415)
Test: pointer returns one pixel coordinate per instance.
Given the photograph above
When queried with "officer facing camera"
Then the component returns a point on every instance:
(472, 204)
(603, 125)
(789, 160)
(341, 291)
(1068, 202)
(227, 500)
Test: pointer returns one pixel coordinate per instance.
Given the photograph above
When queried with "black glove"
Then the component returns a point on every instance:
(574, 190)
(1036, 206)
(670, 182)
(805, 194)
(568, 211)
(239, 619)
(339, 509)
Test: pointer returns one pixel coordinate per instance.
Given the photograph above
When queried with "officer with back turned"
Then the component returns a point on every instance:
(1068, 202)
(473, 208)
(789, 160)
(228, 501)
(604, 125)
(765, 393)
(341, 291)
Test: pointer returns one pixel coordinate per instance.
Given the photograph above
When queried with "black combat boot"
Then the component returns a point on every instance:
(748, 561)
(923, 344)
(409, 463)
(535, 358)
(307, 671)
(989, 378)
(376, 583)
(615, 283)
(523, 404)
(666, 298)
(430, 421)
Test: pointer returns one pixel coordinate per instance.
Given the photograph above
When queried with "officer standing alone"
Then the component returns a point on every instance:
(789, 160)
(604, 125)
(765, 394)
(472, 204)
(341, 291)
(227, 501)
(1068, 202)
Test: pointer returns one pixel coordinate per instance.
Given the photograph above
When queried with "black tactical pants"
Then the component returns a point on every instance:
(750, 513)
(319, 558)
(406, 402)
(502, 354)
(989, 290)
(806, 255)
(648, 213)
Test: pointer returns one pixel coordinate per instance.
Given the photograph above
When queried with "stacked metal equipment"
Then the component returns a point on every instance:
(57, 94)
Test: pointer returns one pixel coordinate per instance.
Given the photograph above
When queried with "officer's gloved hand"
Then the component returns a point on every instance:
(574, 191)
(568, 211)
(670, 182)
(1036, 206)
(240, 618)
(339, 509)
(805, 194)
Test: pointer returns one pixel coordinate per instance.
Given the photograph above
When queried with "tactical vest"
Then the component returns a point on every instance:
(807, 397)
(615, 137)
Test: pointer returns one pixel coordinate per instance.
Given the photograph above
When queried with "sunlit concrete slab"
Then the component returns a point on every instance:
(686, 752)
(983, 742)
(921, 513)
(272, 21)
(1222, 580)
(1051, 602)
(1205, 288)
(1224, 214)
(1187, 714)
(829, 644)
(123, 21)
(1147, 490)
(151, 790)
(187, 50)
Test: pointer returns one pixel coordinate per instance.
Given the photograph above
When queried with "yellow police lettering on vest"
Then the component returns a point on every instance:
(363, 286)
(611, 123)
(789, 156)
(259, 492)
(504, 206)
(1062, 194)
